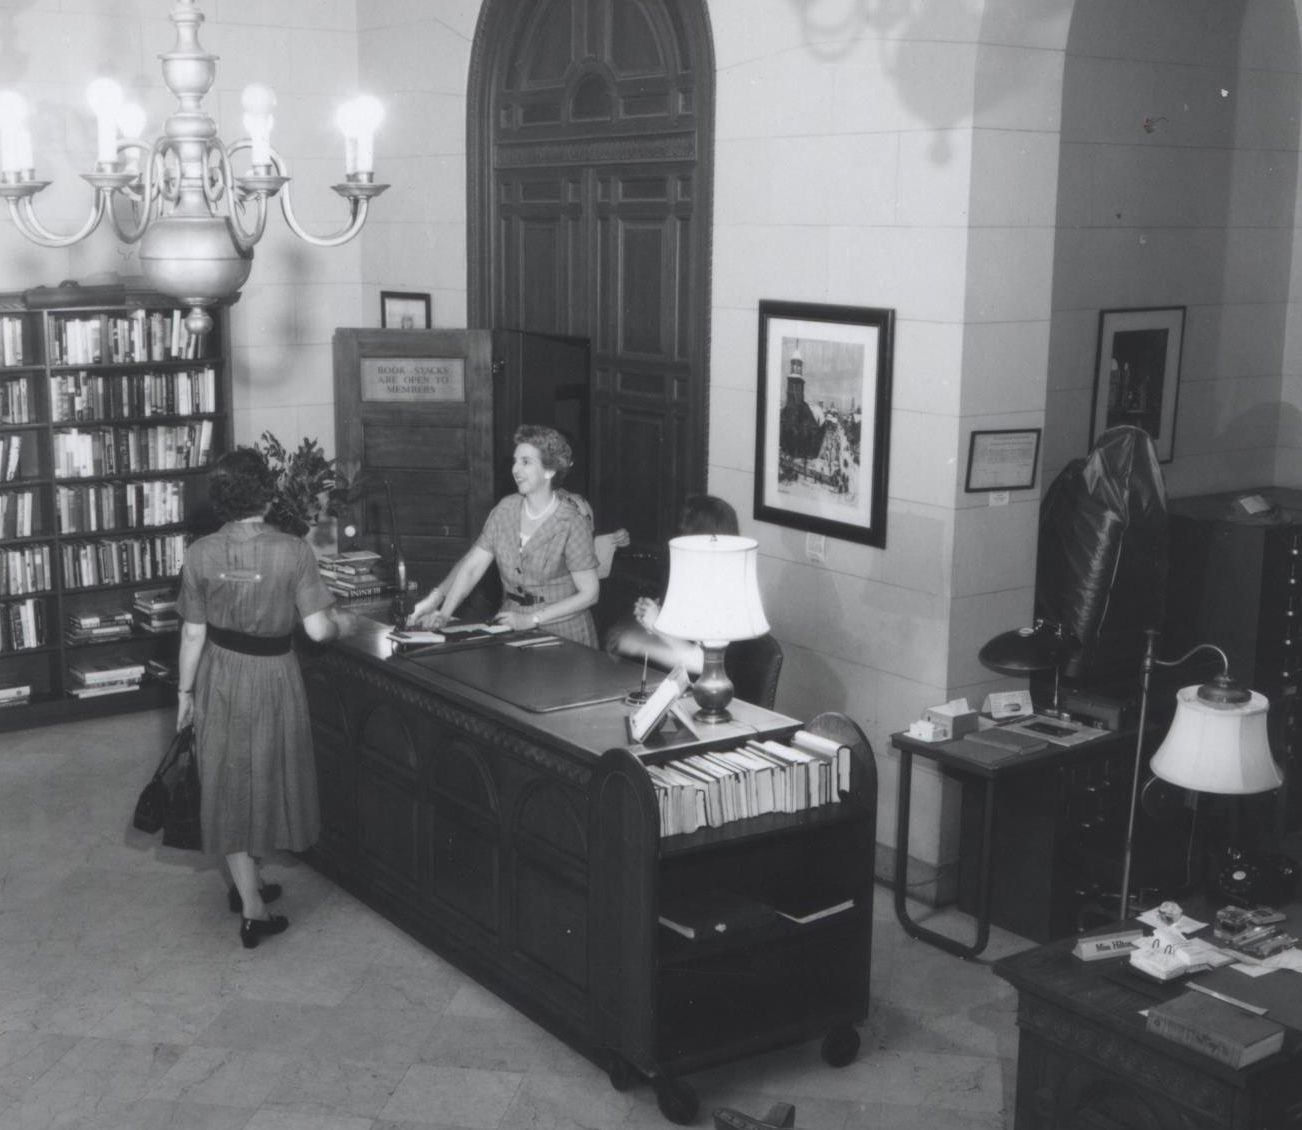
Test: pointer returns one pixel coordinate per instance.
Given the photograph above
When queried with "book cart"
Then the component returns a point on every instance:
(525, 847)
(109, 412)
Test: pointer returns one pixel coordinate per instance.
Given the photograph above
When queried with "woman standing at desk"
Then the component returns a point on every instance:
(543, 547)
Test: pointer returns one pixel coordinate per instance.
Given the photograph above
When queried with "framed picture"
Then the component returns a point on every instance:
(1137, 373)
(1002, 459)
(823, 425)
(400, 311)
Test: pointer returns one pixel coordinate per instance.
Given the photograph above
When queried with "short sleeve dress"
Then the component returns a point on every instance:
(253, 737)
(540, 569)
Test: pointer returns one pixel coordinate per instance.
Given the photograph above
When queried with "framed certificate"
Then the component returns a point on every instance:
(1002, 460)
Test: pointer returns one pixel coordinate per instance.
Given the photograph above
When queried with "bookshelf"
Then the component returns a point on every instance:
(109, 412)
(528, 847)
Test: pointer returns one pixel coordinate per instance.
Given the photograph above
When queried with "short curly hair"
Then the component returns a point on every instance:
(707, 514)
(241, 484)
(553, 448)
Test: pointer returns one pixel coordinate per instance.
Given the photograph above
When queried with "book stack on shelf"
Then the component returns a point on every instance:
(155, 611)
(115, 674)
(82, 395)
(14, 406)
(84, 453)
(97, 627)
(11, 452)
(91, 507)
(352, 574)
(15, 694)
(715, 788)
(16, 511)
(11, 341)
(22, 625)
(25, 570)
(114, 561)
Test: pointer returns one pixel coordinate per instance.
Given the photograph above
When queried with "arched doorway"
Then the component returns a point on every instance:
(589, 178)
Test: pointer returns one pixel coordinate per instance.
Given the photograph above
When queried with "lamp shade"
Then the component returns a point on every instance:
(713, 592)
(1024, 651)
(1217, 747)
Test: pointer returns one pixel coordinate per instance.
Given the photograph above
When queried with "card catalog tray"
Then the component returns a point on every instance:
(539, 679)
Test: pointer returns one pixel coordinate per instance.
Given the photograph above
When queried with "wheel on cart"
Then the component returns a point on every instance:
(677, 1100)
(840, 1046)
(623, 1076)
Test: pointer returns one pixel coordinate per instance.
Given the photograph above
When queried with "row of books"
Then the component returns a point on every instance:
(141, 336)
(98, 396)
(96, 452)
(98, 627)
(15, 406)
(15, 694)
(111, 674)
(11, 340)
(17, 513)
(11, 450)
(92, 507)
(352, 574)
(152, 611)
(25, 569)
(711, 789)
(155, 612)
(114, 561)
(22, 625)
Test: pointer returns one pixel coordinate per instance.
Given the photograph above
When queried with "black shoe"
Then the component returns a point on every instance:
(270, 893)
(253, 930)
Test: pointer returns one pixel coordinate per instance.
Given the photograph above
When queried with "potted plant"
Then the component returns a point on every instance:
(308, 484)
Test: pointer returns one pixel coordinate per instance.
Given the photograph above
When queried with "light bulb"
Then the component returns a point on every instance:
(258, 101)
(131, 124)
(15, 139)
(359, 119)
(105, 98)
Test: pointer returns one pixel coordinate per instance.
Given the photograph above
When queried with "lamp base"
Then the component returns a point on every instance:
(712, 689)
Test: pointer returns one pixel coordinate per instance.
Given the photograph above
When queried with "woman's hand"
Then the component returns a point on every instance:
(184, 709)
(619, 538)
(516, 621)
(645, 611)
(428, 604)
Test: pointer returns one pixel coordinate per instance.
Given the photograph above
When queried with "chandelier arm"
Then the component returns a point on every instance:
(245, 238)
(24, 216)
(142, 199)
(357, 219)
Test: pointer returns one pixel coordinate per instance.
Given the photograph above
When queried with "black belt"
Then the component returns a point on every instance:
(525, 598)
(246, 644)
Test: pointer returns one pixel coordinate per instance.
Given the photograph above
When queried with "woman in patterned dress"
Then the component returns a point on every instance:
(543, 547)
(240, 684)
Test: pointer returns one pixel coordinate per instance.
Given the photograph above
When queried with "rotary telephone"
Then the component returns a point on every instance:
(1252, 877)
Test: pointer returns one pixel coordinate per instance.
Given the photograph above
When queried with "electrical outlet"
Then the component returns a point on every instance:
(816, 548)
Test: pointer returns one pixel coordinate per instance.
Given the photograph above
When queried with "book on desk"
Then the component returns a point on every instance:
(1217, 1028)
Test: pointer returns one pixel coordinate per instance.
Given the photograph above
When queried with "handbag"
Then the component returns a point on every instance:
(170, 801)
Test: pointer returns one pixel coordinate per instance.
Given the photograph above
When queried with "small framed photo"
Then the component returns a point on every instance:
(1137, 373)
(399, 311)
(824, 417)
(1002, 459)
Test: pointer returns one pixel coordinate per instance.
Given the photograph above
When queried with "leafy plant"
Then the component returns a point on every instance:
(307, 484)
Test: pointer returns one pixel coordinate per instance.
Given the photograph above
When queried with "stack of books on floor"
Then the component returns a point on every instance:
(352, 574)
(15, 694)
(155, 611)
(112, 674)
(96, 627)
(759, 777)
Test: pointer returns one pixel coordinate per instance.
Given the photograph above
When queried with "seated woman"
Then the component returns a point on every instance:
(542, 544)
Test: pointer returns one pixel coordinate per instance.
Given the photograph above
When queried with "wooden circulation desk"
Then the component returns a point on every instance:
(525, 846)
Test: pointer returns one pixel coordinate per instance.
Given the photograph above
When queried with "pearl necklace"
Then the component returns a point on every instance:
(545, 510)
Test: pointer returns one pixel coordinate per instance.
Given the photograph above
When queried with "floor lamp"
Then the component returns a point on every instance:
(1217, 742)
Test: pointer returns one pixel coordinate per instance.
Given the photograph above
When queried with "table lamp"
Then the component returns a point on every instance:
(1029, 651)
(713, 599)
(1216, 743)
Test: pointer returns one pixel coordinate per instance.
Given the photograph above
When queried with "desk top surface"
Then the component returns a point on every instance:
(987, 761)
(589, 729)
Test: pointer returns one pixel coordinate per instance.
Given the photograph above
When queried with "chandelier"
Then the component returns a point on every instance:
(195, 220)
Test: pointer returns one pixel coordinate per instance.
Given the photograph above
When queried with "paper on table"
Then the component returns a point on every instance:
(1186, 925)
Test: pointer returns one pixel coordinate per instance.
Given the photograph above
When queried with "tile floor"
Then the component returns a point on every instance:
(127, 1002)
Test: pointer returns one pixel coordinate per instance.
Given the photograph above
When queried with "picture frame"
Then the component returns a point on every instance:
(402, 310)
(822, 431)
(1002, 459)
(1137, 373)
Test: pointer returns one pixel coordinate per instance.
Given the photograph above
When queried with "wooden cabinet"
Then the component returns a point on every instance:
(526, 847)
(109, 412)
(1236, 582)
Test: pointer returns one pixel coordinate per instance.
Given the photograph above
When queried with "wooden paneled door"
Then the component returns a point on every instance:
(591, 132)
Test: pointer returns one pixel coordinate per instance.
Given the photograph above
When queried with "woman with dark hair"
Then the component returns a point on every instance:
(239, 682)
(542, 544)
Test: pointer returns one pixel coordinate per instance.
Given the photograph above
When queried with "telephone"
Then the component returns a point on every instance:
(1250, 877)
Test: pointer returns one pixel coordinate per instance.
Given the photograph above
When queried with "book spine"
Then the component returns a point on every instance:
(1199, 1039)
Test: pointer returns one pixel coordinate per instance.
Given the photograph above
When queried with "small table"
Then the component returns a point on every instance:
(1085, 1058)
(971, 762)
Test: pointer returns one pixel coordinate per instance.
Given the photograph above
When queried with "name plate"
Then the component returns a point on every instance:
(409, 379)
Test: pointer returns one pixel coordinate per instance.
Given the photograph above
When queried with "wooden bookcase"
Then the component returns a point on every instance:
(106, 422)
(526, 848)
